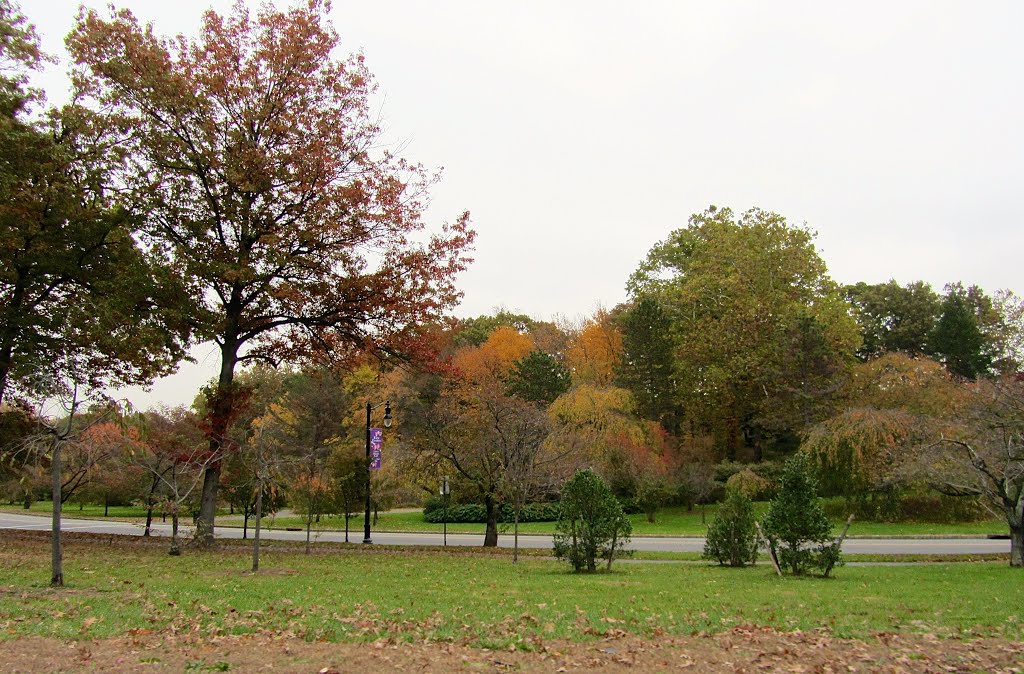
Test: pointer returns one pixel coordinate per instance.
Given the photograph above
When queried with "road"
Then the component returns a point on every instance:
(888, 546)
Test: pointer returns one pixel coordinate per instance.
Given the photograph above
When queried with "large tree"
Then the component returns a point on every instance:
(739, 292)
(647, 367)
(985, 456)
(258, 165)
(958, 338)
(894, 317)
(75, 287)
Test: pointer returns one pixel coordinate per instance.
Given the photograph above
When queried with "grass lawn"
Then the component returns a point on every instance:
(670, 522)
(126, 585)
(674, 521)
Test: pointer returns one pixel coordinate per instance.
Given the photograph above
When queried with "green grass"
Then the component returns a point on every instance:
(675, 521)
(670, 522)
(484, 601)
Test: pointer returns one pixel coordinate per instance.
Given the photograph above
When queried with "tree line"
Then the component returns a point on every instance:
(231, 187)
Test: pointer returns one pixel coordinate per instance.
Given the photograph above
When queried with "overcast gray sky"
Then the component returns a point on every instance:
(581, 133)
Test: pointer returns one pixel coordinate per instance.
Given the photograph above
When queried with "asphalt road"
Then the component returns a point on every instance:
(889, 546)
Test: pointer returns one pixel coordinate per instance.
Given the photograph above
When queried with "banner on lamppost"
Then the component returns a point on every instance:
(376, 440)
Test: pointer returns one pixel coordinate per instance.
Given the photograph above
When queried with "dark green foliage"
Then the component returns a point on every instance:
(897, 506)
(592, 525)
(539, 378)
(475, 331)
(796, 524)
(958, 339)
(647, 365)
(732, 536)
(894, 317)
(434, 512)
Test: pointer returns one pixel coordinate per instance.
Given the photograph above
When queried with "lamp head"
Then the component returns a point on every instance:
(387, 414)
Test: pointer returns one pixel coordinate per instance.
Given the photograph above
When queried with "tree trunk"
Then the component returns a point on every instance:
(515, 545)
(7, 352)
(221, 411)
(208, 504)
(245, 524)
(57, 552)
(1017, 546)
(149, 504)
(256, 530)
(491, 534)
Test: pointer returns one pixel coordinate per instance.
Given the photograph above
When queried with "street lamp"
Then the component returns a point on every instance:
(444, 495)
(369, 465)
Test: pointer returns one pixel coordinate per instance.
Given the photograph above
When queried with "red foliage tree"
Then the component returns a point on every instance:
(257, 162)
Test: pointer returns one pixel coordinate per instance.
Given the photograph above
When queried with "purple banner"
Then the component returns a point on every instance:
(376, 440)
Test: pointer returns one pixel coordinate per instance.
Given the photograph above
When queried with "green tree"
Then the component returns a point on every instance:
(76, 291)
(253, 149)
(591, 525)
(647, 367)
(796, 525)
(958, 339)
(539, 378)
(735, 290)
(732, 535)
(894, 317)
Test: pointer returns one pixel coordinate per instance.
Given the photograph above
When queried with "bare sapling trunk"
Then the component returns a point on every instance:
(1015, 519)
(515, 545)
(57, 552)
(256, 529)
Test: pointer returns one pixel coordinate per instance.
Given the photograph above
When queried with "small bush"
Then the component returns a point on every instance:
(796, 525)
(592, 524)
(753, 486)
(732, 536)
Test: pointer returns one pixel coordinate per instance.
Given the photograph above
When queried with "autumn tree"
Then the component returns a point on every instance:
(593, 354)
(75, 288)
(735, 289)
(985, 456)
(254, 155)
(169, 438)
(467, 421)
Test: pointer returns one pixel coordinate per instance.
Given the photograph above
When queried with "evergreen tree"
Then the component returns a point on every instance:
(647, 362)
(732, 536)
(538, 377)
(592, 524)
(795, 524)
(957, 337)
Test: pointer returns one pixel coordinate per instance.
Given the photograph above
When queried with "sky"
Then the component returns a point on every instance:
(579, 134)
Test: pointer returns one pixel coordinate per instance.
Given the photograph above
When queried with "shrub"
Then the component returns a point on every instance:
(592, 524)
(894, 506)
(796, 525)
(753, 486)
(732, 536)
(474, 513)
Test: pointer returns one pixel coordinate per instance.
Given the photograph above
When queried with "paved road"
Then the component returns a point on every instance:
(891, 546)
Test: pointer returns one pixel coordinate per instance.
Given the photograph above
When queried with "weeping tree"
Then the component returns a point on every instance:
(985, 456)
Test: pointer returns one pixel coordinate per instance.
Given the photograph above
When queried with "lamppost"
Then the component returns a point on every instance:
(369, 465)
